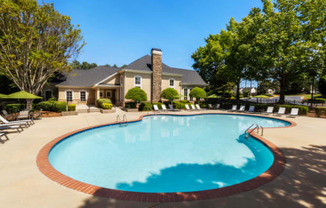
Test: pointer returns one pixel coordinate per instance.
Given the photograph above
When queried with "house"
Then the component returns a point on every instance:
(147, 73)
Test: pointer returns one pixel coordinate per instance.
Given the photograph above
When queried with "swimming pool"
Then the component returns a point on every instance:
(166, 153)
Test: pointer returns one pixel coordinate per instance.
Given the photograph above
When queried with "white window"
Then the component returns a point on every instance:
(137, 81)
(82, 95)
(69, 95)
(185, 93)
(171, 83)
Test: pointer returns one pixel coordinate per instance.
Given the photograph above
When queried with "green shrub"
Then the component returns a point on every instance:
(197, 93)
(71, 107)
(184, 101)
(14, 108)
(55, 106)
(145, 106)
(203, 105)
(52, 99)
(36, 106)
(303, 110)
(107, 106)
(179, 105)
(246, 93)
(136, 94)
(99, 102)
(320, 111)
(170, 94)
(130, 105)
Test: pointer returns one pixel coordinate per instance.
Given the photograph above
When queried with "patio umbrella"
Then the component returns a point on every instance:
(22, 95)
(2, 96)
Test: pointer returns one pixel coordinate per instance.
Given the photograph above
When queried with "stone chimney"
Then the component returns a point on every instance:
(157, 74)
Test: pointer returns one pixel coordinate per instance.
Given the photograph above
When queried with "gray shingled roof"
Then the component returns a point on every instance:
(88, 78)
(188, 76)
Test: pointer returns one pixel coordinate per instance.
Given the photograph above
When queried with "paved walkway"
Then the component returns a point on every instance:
(302, 184)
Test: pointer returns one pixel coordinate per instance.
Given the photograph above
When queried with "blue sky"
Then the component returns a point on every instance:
(121, 31)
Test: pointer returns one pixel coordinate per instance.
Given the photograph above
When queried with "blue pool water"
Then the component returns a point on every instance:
(166, 153)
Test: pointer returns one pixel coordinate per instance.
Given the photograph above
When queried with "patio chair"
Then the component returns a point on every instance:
(251, 109)
(217, 106)
(8, 116)
(3, 135)
(25, 115)
(242, 108)
(234, 108)
(193, 107)
(172, 109)
(294, 113)
(22, 122)
(187, 107)
(198, 107)
(156, 108)
(269, 110)
(11, 126)
(164, 107)
(281, 111)
(210, 106)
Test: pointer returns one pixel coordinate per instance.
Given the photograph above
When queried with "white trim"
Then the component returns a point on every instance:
(173, 86)
(85, 95)
(72, 94)
(136, 71)
(106, 79)
(140, 84)
(171, 74)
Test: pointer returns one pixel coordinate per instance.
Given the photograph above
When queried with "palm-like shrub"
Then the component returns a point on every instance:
(136, 94)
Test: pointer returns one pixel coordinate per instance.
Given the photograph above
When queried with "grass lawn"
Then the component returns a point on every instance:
(262, 96)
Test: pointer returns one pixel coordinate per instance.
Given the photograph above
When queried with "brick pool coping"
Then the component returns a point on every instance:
(275, 170)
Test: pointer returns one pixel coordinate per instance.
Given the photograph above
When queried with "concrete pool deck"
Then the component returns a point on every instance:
(301, 184)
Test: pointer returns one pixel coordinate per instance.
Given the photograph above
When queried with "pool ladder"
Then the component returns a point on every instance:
(122, 119)
(250, 129)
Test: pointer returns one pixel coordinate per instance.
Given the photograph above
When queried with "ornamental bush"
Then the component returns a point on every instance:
(136, 94)
(71, 107)
(100, 102)
(145, 106)
(320, 111)
(14, 108)
(130, 105)
(179, 105)
(107, 106)
(55, 106)
(170, 94)
(197, 93)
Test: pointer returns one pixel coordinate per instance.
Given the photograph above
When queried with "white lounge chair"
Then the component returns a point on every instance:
(210, 106)
(269, 110)
(193, 107)
(3, 135)
(156, 108)
(242, 108)
(294, 112)
(281, 111)
(11, 126)
(25, 115)
(26, 123)
(234, 108)
(251, 109)
(164, 107)
(198, 107)
(187, 107)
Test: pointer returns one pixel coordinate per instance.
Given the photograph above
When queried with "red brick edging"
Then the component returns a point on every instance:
(275, 170)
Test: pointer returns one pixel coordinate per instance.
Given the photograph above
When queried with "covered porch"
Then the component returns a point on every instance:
(108, 91)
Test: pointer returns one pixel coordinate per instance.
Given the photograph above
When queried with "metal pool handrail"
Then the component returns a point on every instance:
(256, 126)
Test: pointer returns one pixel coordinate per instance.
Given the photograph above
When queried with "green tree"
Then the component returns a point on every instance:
(35, 42)
(197, 93)
(136, 94)
(170, 94)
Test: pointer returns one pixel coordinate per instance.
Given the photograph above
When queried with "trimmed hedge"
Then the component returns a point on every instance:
(55, 106)
(179, 105)
(145, 106)
(184, 101)
(320, 112)
(14, 108)
(99, 102)
(131, 105)
(72, 107)
(107, 106)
